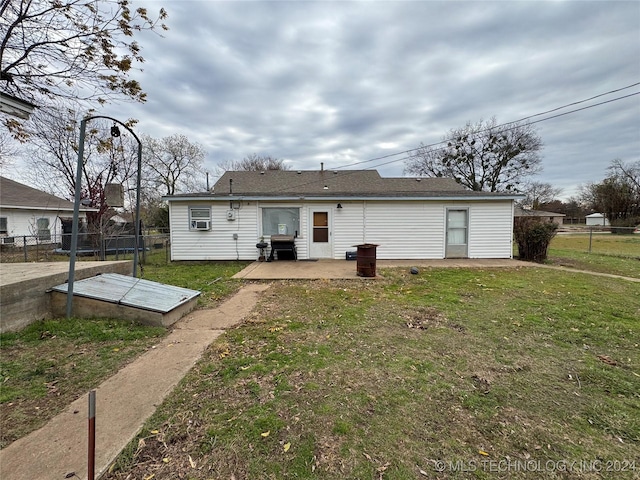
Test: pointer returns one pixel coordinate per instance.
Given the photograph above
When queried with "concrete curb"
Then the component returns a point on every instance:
(124, 401)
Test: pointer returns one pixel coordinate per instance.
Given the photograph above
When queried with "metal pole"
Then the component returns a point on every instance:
(76, 219)
(137, 229)
(91, 460)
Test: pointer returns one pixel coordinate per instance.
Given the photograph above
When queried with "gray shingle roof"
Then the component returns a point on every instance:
(327, 183)
(17, 195)
(519, 212)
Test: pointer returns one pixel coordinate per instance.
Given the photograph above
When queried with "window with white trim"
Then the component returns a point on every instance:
(280, 221)
(4, 226)
(44, 233)
(199, 218)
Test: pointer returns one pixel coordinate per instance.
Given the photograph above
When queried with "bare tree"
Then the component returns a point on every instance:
(8, 150)
(53, 157)
(172, 164)
(482, 156)
(253, 162)
(71, 49)
(538, 193)
(618, 195)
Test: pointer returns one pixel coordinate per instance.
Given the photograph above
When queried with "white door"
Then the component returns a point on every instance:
(457, 233)
(320, 245)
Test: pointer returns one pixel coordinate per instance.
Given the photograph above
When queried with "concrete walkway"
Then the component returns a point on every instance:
(124, 401)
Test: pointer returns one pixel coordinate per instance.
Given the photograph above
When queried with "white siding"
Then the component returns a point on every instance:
(217, 243)
(403, 229)
(22, 223)
(348, 228)
(491, 230)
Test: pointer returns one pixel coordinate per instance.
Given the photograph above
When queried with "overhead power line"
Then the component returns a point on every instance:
(508, 123)
(502, 127)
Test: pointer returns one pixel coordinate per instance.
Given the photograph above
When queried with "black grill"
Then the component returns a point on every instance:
(284, 247)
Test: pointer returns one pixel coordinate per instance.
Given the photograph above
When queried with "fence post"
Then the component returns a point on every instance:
(91, 454)
(590, 238)
(24, 248)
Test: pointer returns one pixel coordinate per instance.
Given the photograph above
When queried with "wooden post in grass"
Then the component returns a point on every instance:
(590, 238)
(92, 436)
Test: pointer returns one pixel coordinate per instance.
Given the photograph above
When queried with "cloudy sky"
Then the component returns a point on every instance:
(346, 82)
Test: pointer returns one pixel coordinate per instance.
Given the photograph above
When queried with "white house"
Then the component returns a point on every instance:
(597, 219)
(329, 212)
(31, 215)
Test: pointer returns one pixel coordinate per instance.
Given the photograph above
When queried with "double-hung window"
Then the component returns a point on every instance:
(4, 226)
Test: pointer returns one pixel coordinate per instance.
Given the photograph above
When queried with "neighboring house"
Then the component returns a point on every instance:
(31, 215)
(597, 219)
(330, 212)
(549, 217)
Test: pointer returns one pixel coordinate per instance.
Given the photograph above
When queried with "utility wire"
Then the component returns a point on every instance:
(515, 122)
(507, 123)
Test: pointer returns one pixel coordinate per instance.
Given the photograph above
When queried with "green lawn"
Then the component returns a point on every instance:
(49, 364)
(445, 374)
(615, 254)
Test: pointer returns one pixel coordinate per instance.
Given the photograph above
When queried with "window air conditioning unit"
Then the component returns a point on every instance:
(201, 224)
(231, 215)
(7, 240)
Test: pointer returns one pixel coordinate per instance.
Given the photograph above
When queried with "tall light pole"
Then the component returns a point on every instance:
(76, 205)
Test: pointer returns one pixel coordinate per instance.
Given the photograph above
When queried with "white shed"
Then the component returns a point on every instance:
(327, 213)
(597, 219)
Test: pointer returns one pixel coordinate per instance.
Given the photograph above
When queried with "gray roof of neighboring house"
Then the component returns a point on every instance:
(332, 184)
(17, 195)
(519, 212)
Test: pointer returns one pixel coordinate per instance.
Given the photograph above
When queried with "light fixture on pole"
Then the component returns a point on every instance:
(115, 132)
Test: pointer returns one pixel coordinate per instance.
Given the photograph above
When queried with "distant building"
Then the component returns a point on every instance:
(549, 217)
(31, 215)
(597, 219)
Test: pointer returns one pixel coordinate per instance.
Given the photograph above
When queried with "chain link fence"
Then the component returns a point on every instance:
(91, 247)
(618, 241)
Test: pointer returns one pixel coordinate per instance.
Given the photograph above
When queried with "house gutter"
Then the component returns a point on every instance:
(345, 198)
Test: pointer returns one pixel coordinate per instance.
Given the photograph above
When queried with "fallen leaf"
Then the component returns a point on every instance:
(166, 459)
(116, 349)
(482, 452)
(149, 477)
(191, 462)
(266, 434)
(608, 360)
(154, 432)
(287, 446)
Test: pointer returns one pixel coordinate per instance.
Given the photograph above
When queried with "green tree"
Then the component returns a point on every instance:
(482, 156)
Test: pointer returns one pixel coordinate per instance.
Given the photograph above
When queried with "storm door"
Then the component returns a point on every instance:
(457, 233)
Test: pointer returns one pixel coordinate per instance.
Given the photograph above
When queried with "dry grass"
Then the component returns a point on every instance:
(387, 379)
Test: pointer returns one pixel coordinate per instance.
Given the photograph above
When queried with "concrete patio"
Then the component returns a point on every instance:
(345, 269)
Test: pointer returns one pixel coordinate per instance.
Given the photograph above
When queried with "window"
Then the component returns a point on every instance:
(200, 218)
(4, 229)
(43, 229)
(280, 221)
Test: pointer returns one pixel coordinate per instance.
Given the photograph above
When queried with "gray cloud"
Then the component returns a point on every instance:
(343, 82)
